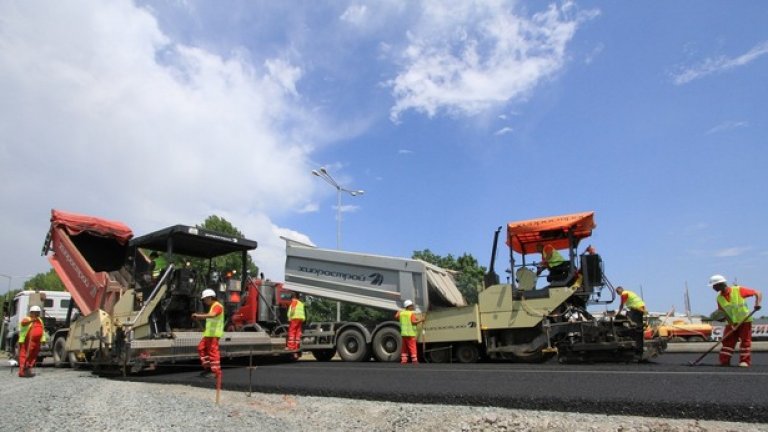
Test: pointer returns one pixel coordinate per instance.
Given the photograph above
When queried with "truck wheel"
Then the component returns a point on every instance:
(59, 353)
(73, 362)
(676, 339)
(696, 339)
(467, 353)
(351, 346)
(387, 344)
(439, 354)
(323, 355)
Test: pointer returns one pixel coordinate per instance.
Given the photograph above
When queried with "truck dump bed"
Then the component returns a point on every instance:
(88, 254)
(368, 280)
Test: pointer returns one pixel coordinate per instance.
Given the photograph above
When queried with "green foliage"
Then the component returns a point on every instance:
(225, 263)
(44, 282)
(468, 276)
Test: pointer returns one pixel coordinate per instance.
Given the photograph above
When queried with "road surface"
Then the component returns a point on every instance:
(668, 387)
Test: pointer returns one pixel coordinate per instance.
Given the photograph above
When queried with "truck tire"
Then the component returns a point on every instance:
(676, 339)
(59, 353)
(467, 353)
(387, 344)
(323, 355)
(438, 354)
(696, 339)
(351, 346)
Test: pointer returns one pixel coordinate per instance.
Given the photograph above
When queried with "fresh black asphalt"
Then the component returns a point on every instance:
(667, 387)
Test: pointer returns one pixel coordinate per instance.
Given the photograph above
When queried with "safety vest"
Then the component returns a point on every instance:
(406, 326)
(633, 301)
(736, 309)
(552, 256)
(296, 311)
(25, 330)
(214, 327)
(160, 265)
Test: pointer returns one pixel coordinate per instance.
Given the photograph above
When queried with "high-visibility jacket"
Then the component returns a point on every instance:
(633, 300)
(214, 327)
(26, 327)
(736, 307)
(406, 323)
(160, 265)
(552, 256)
(296, 310)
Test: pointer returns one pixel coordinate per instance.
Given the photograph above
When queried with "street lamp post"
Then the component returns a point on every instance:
(325, 175)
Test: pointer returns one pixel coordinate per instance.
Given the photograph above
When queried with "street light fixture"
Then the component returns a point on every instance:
(325, 175)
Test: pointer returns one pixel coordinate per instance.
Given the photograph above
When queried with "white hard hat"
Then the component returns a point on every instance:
(407, 303)
(208, 293)
(716, 279)
(35, 309)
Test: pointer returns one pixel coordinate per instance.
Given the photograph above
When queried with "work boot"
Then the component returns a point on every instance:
(744, 364)
(29, 374)
(206, 374)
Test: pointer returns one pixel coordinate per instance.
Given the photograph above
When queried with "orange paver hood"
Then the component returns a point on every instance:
(525, 236)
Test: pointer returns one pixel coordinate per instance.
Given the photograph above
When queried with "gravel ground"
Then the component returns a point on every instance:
(69, 400)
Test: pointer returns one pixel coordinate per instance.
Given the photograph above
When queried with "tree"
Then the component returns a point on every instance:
(45, 282)
(229, 262)
(468, 276)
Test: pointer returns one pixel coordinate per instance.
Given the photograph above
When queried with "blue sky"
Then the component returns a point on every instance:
(455, 117)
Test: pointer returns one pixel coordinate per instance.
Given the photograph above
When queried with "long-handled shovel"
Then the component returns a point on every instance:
(698, 360)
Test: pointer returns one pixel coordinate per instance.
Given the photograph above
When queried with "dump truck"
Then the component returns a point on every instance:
(514, 321)
(129, 321)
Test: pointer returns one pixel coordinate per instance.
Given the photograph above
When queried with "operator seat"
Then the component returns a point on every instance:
(526, 279)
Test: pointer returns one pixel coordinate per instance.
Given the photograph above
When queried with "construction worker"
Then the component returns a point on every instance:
(296, 318)
(208, 348)
(553, 261)
(732, 301)
(635, 313)
(31, 336)
(408, 332)
(157, 266)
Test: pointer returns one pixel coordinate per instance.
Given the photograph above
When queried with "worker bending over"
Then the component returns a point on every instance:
(208, 348)
(635, 312)
(408, 320)
(732, 301)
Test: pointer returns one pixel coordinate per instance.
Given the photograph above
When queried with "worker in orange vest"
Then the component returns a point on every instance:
(732, 301)
(408, 332)
(208, 348)
(296, 318)
(31, 336)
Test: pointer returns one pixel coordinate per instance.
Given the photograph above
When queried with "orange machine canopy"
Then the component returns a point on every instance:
(525, 236)
(76, 223)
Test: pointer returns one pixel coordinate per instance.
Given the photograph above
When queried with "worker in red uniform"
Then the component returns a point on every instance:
(31, 336)
(208, 348)
(296, 318)
(408, 320)
(732, 301)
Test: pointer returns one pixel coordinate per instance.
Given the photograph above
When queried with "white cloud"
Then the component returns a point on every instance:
(404, 151)
(726, 126)
(503, 131)
(731, 252)
(102, 113)
(714, 65)
(348, 208)
(355, 14)
(467, 56)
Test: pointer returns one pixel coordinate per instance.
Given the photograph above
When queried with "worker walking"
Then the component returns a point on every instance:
(31, 336)
(732, 301)
(635, 313)
(408, 332)
(208, 348)
(296, 318)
